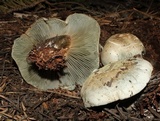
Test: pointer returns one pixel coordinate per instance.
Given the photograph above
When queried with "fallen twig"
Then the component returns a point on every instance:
(146, 14)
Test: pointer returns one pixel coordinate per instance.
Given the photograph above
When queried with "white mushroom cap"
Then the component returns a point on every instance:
(116, 81)
(81, 58)
(121, 47)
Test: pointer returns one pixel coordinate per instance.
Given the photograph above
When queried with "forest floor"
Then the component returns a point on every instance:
(20, 101)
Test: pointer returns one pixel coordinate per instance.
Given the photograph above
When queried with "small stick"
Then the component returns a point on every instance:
(146, 14)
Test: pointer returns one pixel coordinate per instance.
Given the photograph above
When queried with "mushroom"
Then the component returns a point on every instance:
(116, 81)
(121, 47)
(54, 53)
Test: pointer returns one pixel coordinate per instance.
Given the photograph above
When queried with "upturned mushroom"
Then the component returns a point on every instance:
(116, 81)
(54, 53)
(121, 47)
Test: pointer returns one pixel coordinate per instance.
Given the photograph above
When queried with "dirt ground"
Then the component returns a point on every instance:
(20, 101)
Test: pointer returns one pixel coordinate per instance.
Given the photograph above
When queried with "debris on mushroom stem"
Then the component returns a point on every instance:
(50, 54)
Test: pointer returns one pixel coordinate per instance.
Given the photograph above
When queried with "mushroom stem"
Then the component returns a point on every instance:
(50, 54)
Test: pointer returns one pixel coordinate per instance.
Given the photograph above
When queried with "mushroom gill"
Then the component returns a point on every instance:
(54, 53)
